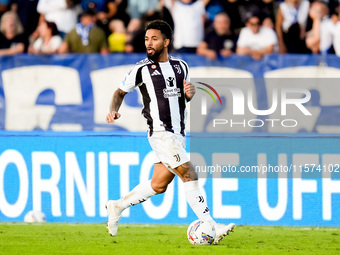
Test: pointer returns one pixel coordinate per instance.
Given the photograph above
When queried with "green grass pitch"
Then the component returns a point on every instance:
(57, 238)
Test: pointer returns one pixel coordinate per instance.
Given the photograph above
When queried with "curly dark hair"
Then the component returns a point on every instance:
(162, 26)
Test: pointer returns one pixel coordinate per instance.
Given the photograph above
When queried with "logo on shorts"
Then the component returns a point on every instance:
(177, 158)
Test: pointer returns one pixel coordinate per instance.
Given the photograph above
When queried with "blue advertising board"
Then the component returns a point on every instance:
(70, 176)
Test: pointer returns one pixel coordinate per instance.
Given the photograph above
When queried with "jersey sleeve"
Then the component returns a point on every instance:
(186, 74)
(129, 82)
(188, 77)
(186, 71)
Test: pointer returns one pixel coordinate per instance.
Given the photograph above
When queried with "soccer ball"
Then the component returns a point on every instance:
(201, 232)
(35, 216)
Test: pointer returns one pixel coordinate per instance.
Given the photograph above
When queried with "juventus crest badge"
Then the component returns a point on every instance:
(178, 69)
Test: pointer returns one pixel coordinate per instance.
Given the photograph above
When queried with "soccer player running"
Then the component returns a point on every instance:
(164, 84)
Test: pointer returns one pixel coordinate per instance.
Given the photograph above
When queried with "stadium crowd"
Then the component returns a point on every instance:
(211, 28)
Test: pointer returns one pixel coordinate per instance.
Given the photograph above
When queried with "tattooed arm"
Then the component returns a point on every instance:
(116, 102)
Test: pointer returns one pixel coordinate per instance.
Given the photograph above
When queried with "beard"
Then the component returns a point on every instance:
(155, 56)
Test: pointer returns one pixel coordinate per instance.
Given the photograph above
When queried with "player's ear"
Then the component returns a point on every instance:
(166, 42)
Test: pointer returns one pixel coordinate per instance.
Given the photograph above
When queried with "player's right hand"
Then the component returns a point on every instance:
(112, 116)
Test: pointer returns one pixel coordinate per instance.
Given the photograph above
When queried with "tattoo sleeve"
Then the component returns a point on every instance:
(117, 100)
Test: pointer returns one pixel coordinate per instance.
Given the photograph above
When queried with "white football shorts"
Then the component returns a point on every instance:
(169, 148)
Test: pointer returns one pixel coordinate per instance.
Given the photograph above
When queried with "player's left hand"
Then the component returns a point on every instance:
(189, 90)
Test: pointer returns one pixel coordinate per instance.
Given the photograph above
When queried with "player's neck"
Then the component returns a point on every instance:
(164, 57)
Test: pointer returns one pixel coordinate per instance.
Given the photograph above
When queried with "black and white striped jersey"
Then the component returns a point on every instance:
(161, 86)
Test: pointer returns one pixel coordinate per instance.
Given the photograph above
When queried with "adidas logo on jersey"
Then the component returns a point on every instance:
(155, 73)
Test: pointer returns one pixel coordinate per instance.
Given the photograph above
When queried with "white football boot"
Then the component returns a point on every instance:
(114, 211)
(223, 230)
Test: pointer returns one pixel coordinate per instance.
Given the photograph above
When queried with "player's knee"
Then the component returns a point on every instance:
(161, 190)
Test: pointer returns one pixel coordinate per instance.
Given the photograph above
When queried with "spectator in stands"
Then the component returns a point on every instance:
(28, 14)
(117, 39)
(49, 40)
(86, 37)
(269, 8)
(334, 10)
(267, 22)
(320, 37)
(291, 22)
(238, 11)
(189, 18)
(64, 13)
(255, 40)
(231, 7)
(122, 11)
(212, 8)
(265, 8)
(219, 39)
(12, 38)
(106, 10)
(135, 38)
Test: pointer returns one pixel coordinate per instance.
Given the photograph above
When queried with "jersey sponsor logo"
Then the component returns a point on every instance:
(170, 81)
(171, 90)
